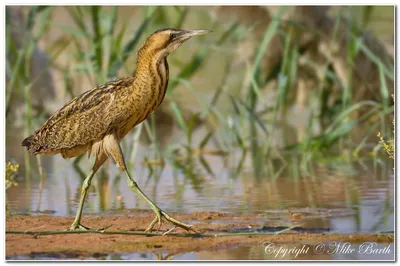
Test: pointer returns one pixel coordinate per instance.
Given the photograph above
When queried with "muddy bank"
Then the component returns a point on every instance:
(98, 245)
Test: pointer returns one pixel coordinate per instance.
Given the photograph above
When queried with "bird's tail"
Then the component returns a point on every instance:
(27, 142)
(30, 144)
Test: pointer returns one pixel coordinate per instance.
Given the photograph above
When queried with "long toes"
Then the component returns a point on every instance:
(74, 228)
(169, 231)
(176, 223)
(190, 228)
(151, 225)
(159, 225)
(186, 227)
(104, 228)
(79, 227)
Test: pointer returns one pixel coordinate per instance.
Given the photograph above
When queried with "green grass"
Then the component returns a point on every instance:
(101, 47)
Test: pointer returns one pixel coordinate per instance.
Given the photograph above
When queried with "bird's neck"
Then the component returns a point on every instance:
(152, 74)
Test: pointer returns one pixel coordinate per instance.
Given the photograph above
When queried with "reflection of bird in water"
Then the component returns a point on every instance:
(97, 120)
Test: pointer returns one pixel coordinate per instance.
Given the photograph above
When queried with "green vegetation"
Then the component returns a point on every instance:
(99, 47)
(11, 170)
(387, 145)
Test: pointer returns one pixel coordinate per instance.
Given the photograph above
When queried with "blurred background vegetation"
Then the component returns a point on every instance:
(273, 91)
(268, 80)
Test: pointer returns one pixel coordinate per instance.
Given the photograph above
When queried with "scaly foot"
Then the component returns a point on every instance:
(77, 226)
(175, 222)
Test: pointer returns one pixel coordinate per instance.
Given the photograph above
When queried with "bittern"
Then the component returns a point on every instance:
(97, 120)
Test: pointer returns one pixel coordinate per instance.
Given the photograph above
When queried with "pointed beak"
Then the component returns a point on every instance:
(184, 35)
(190, 33)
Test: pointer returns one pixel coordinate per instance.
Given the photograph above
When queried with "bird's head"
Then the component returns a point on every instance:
(167, 40)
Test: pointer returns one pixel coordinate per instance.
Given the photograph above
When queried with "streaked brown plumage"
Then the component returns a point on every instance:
(97, 120)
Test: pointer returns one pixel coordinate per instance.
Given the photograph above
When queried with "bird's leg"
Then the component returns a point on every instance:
(115, 151)
(100, 159)
(159, 213)
(86, 184)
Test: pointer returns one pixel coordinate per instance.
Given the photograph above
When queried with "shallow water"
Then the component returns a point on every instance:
(360, 200)
(337, 251)
(342, 197)
(292, 251)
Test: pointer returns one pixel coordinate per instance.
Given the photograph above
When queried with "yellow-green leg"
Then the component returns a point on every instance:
(115, 151)
(86, 184)
(159, 213)
(76, 225)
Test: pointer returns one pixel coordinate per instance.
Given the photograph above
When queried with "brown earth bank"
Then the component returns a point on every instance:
(97, 245)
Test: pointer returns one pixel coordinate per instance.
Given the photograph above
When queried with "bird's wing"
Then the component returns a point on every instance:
(86, 118)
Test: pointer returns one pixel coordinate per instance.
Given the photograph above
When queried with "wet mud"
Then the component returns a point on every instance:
(99, 245)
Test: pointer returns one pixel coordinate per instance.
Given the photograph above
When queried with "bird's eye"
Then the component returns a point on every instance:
(172, 35)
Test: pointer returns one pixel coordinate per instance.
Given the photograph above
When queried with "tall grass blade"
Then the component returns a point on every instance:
(196, 62)
(387, 70)
(97, 38)
(78, 17)
(129, 47)
(16, 73)
(178, 116)
(33, 12)
(251, 113)
(204, 142)
(383, 87)
(190, 68)
(271, 31)
(116, 48)
(182, 16)
(206, 166)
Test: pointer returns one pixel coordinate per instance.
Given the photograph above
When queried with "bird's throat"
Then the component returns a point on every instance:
(152, 77)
